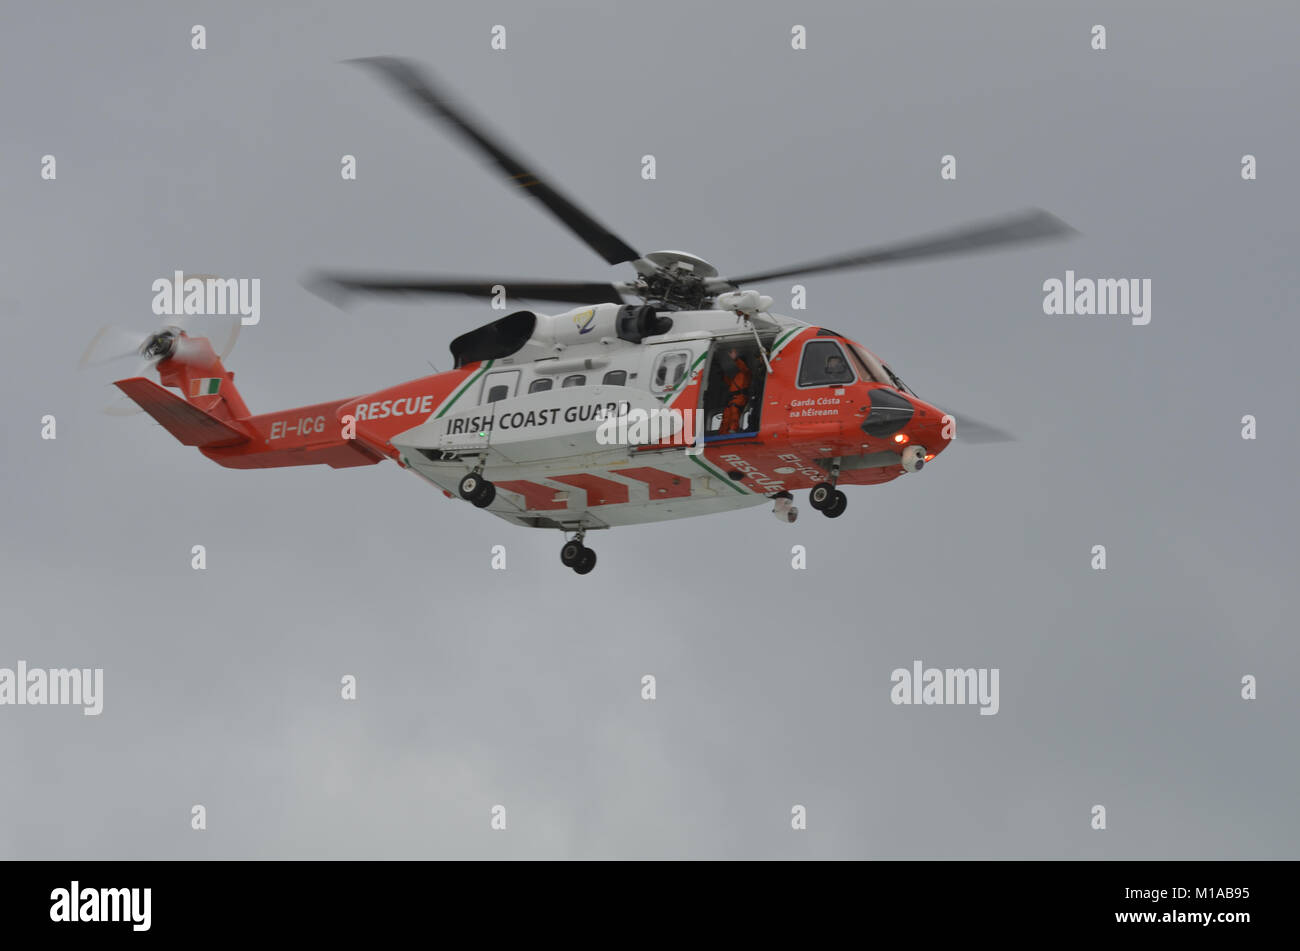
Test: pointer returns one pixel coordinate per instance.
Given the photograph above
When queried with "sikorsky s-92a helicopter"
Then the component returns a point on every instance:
(694, 399)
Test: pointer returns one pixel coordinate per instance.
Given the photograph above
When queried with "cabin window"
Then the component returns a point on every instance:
(615, 378)
(575, 379)
(500, 385)
(669, 371)
(823, 364)
(541, 385)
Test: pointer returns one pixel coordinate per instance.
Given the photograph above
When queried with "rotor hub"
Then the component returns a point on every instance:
(675, 280)
(160, 345)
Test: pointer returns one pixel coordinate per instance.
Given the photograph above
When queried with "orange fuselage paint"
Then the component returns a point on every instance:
(340, 433)
(802, 428)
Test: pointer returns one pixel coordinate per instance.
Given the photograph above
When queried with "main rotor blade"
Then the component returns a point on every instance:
(408, 78)
(336, 287)
(973, 431)
(1035, 225)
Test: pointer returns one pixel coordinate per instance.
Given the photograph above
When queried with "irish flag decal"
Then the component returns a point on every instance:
(205, 387)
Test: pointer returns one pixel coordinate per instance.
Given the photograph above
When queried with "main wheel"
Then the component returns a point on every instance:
(486, 493)
(571, 553)
(587, 563)
(470, 486)
(836, 506)
(821, 495)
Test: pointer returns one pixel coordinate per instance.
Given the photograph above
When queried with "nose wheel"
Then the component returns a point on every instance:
(474, 488)
(828, 500)
(574, 554)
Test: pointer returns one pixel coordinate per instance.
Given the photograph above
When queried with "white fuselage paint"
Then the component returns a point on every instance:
(535, 437)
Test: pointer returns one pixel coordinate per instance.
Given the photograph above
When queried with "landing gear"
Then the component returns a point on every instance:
(827, 499)
(836, 506)
(578, 556)
(474, 488)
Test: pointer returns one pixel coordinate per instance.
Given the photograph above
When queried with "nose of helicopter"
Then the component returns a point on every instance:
(931, 427)
(908, 421)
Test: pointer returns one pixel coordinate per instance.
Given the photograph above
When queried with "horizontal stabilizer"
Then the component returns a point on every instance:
(188, 423)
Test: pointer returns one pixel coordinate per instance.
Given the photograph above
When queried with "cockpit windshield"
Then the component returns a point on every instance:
(861, 358)
(898, 384)
(873, 369)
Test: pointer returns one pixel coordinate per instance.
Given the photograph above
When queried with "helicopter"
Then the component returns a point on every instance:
(675, 393)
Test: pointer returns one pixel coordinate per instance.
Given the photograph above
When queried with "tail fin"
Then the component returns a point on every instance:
(184, 420)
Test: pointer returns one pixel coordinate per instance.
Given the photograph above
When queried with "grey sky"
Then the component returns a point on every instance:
(521, 687)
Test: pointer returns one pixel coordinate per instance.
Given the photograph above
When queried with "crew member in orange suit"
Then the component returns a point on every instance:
(738, 386)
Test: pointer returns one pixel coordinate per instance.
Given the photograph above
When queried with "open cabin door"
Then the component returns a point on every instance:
(735, 377)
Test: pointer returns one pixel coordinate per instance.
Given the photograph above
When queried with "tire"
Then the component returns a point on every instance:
(571, 553)
(470, 485)
(487, 492)
(822, 494)
(835, 508)
(588, 562)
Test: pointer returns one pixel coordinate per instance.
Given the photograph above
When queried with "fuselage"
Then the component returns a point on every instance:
(539, 413)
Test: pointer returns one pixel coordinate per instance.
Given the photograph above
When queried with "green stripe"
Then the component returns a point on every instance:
(709, 469)
(468, 384)
(781, 341)
(685, 381)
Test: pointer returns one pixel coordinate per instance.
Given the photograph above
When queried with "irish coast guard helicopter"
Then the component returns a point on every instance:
(689, 399)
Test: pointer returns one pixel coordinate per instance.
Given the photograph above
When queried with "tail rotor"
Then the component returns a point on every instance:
(177, 340)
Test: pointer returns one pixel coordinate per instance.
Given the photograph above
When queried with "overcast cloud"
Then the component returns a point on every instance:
(477, 687)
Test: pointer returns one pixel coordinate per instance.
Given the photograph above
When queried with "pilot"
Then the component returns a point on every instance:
(738, 388)
(837, 371)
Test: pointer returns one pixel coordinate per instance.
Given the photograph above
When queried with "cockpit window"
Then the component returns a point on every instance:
(864, 364)
(898, 384)
(824, 364)
(872, 369)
